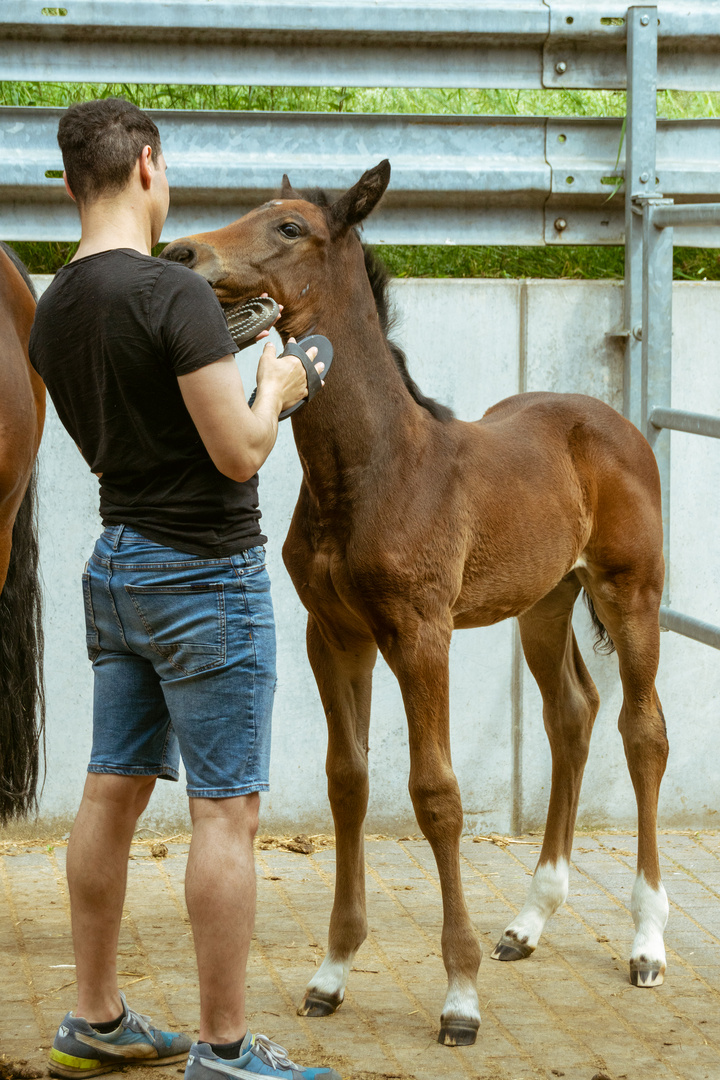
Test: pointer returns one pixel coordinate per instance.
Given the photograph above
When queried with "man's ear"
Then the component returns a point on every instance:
(67, 186)
(287, 191)
(147, 164)
(355, 205)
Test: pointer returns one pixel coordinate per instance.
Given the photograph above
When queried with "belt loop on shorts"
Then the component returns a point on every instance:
(116, 541)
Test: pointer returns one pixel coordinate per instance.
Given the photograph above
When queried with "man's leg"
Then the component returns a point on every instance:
(220, 895)
(97, 862)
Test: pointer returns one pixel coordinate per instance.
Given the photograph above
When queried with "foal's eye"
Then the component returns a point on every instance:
(290, 229)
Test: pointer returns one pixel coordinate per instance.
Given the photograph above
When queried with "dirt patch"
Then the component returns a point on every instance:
(18, 1069)
(347, 1067)
(302, 844)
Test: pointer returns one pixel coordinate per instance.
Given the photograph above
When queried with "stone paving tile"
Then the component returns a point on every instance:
(568, 1010)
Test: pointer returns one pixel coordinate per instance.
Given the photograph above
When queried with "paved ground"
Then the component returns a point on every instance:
(567, 1011)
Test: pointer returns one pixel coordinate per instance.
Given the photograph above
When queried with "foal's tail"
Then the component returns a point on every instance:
(22, 698)
(603, 642)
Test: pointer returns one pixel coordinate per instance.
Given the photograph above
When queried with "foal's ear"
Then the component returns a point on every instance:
(287, 191)
(355, 205)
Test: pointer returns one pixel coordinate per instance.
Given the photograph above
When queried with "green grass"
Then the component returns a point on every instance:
(695, 264)
(672, 105)
(691, 264)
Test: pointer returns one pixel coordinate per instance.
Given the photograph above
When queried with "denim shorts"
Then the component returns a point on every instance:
(183, 652)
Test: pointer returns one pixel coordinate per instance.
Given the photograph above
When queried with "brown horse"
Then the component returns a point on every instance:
(410, 524)
(22, 414)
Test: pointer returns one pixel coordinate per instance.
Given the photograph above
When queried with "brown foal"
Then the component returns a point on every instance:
(411, 524)
(22, 413)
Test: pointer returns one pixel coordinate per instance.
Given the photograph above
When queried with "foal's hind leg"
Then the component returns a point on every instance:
(344, 678)
(419, 659)
(570, 705)
(630, 615)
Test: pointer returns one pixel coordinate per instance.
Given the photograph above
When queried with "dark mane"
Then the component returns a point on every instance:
(379, 282)
(380, 279)
(20, 267)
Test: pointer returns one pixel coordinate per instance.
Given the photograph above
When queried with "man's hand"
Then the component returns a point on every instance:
(283, 378)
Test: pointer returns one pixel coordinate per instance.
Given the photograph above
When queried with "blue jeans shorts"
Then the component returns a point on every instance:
(183, 652)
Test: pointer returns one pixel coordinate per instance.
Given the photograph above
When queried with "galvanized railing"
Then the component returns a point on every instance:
(478, 43)
(455, 179)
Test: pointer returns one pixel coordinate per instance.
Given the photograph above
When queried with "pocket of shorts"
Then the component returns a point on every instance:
(251, 561)
(92, 638)
(184, 623)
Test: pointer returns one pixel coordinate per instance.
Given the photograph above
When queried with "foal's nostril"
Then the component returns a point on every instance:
(182, 254)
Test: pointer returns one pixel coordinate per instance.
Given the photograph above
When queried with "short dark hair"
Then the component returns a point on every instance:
(100, 143)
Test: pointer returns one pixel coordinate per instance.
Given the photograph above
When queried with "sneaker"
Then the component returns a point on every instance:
(259, 1056)
(80, 1050)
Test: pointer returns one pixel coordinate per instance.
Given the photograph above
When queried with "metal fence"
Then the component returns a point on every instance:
(455, 43)
(455, 179)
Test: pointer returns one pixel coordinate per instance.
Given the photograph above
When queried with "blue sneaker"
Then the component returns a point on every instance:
(259, 1056)
(80, 1050)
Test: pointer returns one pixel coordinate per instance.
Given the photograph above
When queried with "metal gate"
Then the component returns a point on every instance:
(649, 222)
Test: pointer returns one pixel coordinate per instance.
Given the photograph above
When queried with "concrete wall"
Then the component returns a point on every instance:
(470, 343)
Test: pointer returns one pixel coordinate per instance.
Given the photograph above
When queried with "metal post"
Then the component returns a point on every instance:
(657, 352)
(641, 114)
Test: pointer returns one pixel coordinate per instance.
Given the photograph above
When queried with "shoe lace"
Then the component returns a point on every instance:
(276, 1055)
(135, 1020)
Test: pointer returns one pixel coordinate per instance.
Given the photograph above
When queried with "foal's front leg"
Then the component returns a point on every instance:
(344, 678)
(419, 659)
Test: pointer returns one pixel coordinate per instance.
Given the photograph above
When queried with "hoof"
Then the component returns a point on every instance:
(457, 1032)
(645, 974)
(510, 949)
(316, 1005)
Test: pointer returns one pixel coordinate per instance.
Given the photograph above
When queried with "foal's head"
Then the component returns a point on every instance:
(301, 249)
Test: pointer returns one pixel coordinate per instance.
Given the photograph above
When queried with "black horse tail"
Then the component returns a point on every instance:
(22, 697)
(603, 642)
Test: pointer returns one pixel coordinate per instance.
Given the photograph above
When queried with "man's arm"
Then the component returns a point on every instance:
(239, 438)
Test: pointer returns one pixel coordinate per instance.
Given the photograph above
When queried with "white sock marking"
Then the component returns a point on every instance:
(548, 892)
(650, 914)
(331, 977)
(461, 1002)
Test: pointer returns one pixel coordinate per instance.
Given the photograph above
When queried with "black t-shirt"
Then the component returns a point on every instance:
(111, 335)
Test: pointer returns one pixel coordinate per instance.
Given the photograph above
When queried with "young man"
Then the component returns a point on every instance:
(137, 358)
